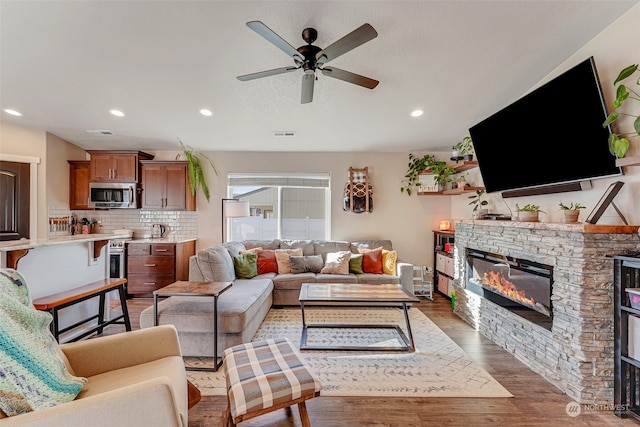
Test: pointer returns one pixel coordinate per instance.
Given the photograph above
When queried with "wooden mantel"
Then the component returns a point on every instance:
(579, 227)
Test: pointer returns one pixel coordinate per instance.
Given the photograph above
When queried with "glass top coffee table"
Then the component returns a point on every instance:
(337, 295)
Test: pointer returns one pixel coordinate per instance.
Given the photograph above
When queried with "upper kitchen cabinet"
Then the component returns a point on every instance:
(165, 185)
(79, 184)
(116, 166)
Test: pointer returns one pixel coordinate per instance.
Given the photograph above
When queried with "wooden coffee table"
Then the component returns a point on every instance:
(336, 295)
(195, 289)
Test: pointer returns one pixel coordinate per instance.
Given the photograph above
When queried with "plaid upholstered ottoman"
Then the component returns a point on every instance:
(264, 376)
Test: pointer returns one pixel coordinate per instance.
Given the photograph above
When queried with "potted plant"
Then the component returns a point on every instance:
(195, 170)
(478, 202)
(464, 149)
(571, 212)
(461, 180)
(441, 173)
(618, 142)
(529, 213)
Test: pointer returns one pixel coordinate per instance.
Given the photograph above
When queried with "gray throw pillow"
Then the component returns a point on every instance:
(216, 264)
(306, 264)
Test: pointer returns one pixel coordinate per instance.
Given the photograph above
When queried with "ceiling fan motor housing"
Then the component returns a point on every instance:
(309, 52)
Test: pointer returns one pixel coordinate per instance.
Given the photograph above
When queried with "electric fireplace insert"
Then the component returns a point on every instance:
(521, 286)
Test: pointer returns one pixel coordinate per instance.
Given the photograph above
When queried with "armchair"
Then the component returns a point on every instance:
(133, 379)
(128, 379)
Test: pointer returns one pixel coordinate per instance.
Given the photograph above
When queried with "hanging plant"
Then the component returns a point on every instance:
(619, 142)
(195, 170)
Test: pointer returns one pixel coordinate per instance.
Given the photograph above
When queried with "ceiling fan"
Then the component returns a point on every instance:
(311, 58)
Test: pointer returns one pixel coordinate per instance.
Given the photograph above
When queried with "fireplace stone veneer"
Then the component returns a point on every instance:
(576, 355)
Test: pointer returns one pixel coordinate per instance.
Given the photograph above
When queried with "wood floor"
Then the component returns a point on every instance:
(535, 403)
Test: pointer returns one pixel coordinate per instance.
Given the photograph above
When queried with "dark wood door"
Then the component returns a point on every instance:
(14, 198)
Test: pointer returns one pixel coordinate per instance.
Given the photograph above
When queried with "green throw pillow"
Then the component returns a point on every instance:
(33, 374)
(355, 264)
(246, 265)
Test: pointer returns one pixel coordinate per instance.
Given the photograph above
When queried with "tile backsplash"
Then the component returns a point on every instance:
(139, 220)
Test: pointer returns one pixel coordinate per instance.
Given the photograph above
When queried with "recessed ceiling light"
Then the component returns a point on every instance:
(417, 113)
(206, 112)
(12, 112)
(117, 113)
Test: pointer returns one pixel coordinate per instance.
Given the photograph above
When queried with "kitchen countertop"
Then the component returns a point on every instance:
(15, 245)
(167, 239)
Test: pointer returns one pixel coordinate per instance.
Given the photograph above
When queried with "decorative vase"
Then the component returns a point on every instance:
(528, 216)
(571, 215)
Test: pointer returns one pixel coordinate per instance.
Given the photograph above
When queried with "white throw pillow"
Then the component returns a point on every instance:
(337, 263)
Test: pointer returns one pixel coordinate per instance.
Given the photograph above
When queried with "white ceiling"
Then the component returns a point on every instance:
(65, 64)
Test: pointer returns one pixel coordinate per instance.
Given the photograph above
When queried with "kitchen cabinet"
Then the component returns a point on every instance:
(116, 166)
(626, 330)
(151, 266)
(165, 186)
(79, 184)
(443, 272)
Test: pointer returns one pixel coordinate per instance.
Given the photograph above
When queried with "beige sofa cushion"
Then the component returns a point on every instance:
(236, 307)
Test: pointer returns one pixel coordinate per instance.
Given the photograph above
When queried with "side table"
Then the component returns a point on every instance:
(195, 289)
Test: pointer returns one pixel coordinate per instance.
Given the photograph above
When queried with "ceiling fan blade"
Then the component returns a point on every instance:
(278, 41)
(266, 73)
(347, 76)
(359, 36)
(307, 88)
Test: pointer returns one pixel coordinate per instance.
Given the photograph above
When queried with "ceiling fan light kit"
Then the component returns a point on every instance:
(310, 58)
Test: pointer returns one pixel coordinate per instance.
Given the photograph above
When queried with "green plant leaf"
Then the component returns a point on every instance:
(610, 119)
(618, 146)
(626, 73)
(621, 95)
(636, 125)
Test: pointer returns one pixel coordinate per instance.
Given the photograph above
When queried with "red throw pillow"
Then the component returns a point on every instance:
(267, 261)
(372, 260)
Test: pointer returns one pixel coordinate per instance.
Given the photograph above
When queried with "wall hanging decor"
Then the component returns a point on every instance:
(358, 193)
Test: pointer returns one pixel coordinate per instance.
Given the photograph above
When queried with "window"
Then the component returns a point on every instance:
(282, 206)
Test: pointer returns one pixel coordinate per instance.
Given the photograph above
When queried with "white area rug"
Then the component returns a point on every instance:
(438, 367)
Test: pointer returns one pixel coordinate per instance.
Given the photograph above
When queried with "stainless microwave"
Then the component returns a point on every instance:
(113, 195)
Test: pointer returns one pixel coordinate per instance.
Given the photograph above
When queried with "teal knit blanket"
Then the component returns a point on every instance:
(32, 371)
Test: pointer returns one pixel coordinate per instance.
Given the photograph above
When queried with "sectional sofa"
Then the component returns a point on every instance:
(243, 307)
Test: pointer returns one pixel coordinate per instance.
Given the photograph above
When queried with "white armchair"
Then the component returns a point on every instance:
(134, 379)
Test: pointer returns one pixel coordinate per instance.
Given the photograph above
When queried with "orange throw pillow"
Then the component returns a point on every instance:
(372, 260)
(267, 261)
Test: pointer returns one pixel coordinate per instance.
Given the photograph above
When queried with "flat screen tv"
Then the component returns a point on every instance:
(551, 136)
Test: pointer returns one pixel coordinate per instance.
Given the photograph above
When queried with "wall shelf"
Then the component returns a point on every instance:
(459, 167)
(628, 161)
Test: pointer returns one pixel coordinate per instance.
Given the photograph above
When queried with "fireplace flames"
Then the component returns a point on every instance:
(498, 283)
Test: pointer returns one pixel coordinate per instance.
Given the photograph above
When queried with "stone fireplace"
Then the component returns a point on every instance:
(572, 345)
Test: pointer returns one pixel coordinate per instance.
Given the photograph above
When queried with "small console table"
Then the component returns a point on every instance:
(56, 302)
